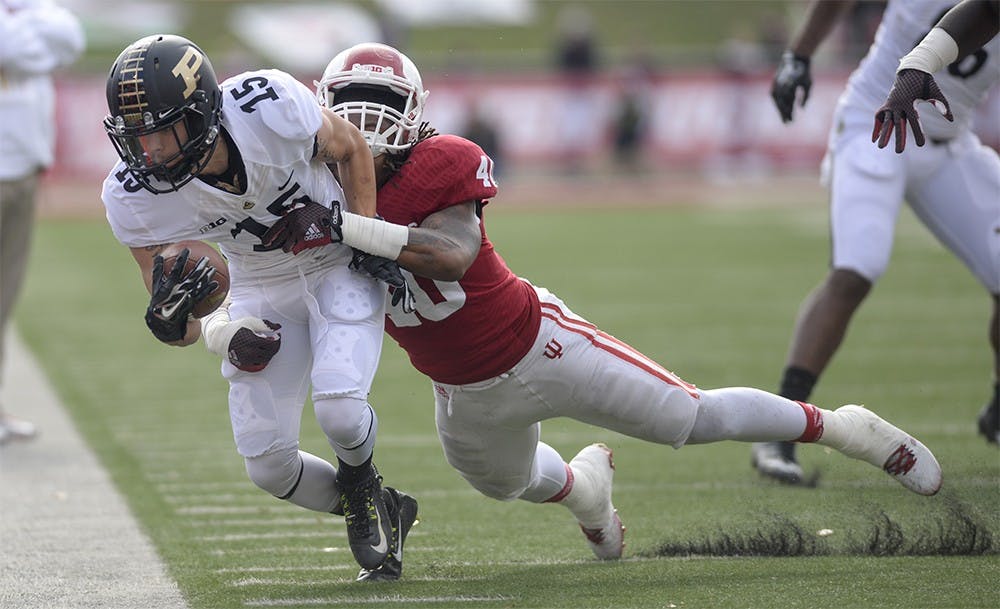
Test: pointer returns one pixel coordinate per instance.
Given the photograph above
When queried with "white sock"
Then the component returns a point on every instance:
(548, 476)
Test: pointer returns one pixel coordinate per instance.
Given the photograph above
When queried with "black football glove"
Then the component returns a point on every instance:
(305, 225)
(174, 296)
(387, 271)
(251, 351)
(793, 74)
(910, 86)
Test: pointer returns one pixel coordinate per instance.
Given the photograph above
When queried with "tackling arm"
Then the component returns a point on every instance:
(445, 244)
(442, 247)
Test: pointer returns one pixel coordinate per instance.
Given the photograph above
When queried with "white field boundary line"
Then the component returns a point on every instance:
(68, 537)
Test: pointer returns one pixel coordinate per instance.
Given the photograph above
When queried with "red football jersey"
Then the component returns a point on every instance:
(483, 324)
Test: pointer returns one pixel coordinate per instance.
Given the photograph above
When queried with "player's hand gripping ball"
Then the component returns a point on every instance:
(198, 250)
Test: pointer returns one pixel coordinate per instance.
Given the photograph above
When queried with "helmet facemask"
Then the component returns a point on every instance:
(192, 132)
(382, 115)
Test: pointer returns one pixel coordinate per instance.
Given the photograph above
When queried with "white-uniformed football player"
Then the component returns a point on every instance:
(504, 355)
(244, 165)
(952, 184)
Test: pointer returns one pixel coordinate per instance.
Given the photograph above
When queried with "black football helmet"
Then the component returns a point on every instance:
(163, 82)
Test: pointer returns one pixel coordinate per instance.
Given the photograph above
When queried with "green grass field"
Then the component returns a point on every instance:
(710, 294)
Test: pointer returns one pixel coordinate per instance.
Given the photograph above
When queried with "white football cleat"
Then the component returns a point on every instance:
(876, 441)
(593, 472)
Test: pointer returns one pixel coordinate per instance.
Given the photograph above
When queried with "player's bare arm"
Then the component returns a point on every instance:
(972, 24)
(822, 17)
(445, 244)
(145, 257)
(341, 144)
(793, 79)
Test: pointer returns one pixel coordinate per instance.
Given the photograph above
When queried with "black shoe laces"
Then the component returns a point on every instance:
(360, 512)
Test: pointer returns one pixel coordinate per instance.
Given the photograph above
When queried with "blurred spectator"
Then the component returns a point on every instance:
(741, 58)
(36, 37)
(576, 45)
(631, 117)
(577, 60)
(482, 130)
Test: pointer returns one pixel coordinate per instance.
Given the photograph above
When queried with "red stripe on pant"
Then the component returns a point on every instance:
(623, 350)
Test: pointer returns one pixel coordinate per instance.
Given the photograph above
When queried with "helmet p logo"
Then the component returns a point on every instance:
(187, 68)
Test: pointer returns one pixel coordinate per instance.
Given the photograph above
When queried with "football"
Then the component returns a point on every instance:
(200, 249)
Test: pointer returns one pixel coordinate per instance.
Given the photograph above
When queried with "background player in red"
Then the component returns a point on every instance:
(504, 355)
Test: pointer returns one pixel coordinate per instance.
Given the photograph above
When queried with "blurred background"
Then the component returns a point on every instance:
(558, 92)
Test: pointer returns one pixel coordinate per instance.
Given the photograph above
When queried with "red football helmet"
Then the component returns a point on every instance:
(378, 89)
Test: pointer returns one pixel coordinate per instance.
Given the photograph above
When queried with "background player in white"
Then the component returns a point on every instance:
(38, 37)
(504, 355)
(964, 30)
(235, 164)
(952, 185)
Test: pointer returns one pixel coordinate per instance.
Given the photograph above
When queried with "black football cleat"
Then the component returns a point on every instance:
(369, 528)
(403, 514)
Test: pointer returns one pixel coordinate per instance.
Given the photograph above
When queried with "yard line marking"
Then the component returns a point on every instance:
(310, 550)
(272, 535)
(195, 510)
(290, 602)
(215, 485)
(286, 568)
(253, 522)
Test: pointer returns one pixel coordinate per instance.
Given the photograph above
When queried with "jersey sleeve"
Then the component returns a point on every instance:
(287, 113)
(452, 170)
(127, 227)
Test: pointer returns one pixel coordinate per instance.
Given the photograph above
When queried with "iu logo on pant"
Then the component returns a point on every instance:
(553, 350)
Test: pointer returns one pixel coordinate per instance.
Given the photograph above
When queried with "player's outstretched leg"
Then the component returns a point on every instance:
(590, 501)
(369, 528)
(777, 460)
(402, 514)
(860, 433)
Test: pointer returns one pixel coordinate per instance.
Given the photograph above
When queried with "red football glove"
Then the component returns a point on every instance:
(910, 86)
(305, 225)
(251, 351)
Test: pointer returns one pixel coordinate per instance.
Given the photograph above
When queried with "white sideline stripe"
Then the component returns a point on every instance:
(333, 600)
(68, 538)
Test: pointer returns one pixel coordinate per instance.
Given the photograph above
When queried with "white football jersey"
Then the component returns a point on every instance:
(965, 83)
(273, 119)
